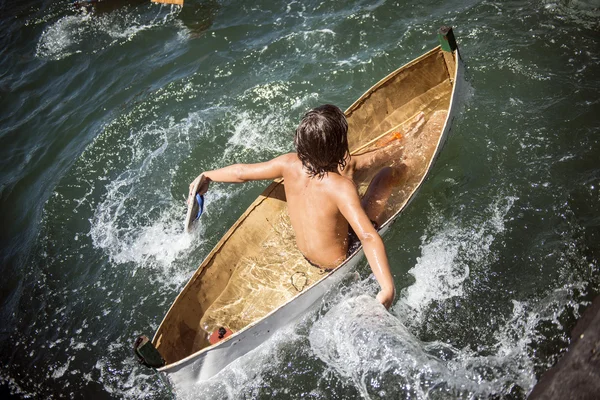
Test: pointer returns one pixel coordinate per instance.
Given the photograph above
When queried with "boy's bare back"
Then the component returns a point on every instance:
(320, 227)
(323, 202)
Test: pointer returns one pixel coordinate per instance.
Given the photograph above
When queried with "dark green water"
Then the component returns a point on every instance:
(106, 118)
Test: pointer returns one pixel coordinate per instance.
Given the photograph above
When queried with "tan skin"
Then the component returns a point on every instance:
(322, 231)
(321, 209)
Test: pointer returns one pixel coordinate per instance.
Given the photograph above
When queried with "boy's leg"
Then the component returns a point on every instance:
(380, 189)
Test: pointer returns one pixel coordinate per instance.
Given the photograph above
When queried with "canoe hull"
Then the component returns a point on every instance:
(206, 363)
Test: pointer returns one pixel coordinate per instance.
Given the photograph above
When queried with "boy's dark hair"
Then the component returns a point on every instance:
(321, 140)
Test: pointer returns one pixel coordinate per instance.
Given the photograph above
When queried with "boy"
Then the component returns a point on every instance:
(323, 202)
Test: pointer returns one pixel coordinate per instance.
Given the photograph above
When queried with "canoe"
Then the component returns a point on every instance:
(255, 280)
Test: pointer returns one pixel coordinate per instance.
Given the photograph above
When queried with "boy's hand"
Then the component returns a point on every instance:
(386, 297)
(203, 183)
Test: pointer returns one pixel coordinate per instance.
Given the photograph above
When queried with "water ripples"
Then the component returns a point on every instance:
(127, 107)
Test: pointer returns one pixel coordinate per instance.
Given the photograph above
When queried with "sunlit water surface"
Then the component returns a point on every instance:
(105, 118)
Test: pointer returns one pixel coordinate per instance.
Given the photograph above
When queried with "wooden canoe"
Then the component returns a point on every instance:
(255, 280)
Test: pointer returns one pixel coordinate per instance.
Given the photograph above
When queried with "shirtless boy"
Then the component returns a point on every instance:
(322, 197)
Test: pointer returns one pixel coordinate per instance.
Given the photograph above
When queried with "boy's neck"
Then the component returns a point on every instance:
(320, 177)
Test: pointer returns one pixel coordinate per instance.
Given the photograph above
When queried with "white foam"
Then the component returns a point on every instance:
(91, 32)
(133, 382)
(510, 359)
(446, 256)
(380, 356)
(119, 224)
(162, 239)
(262, 133)
(58, 372)
(360, 340)
(57, 39)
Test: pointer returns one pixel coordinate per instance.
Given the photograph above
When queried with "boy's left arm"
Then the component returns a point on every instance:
(350, 207)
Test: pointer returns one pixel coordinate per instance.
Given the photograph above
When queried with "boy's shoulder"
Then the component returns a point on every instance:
(339, 186)
(340, 182)
(289, 157)
(290, 161)
(333, 181)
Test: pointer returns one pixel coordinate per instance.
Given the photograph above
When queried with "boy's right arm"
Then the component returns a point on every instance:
(238, 173)
(379, 157)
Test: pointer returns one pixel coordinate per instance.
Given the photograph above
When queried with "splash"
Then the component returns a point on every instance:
(375, 352)
(128, 236)
(247, 376)
(362, 342)
(137, 220)
(444, 264)
(252, 132)
(90, 33)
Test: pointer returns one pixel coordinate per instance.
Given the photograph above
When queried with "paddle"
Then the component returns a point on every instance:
(195, 204)
(176, 2)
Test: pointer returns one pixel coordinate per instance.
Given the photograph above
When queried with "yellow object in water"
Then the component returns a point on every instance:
(176, 2)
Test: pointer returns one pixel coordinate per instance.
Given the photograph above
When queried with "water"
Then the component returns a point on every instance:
(106, 118)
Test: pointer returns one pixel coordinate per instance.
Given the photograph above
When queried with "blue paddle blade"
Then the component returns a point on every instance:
(200, 201)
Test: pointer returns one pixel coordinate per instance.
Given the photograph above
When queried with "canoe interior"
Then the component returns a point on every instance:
(256, 267)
